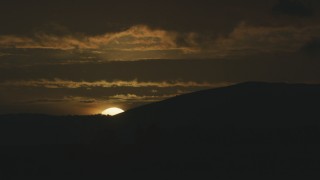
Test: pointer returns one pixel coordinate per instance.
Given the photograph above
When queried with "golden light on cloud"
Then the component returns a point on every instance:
(59, 83)
(136, 38)
(112, 111)
(144, 42)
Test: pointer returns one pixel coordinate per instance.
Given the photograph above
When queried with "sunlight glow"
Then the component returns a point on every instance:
(112, 111)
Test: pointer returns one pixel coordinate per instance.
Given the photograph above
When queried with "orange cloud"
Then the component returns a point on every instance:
(134, 97)
(136, 38)
(58, 83)
(118, 98)
(141, 42)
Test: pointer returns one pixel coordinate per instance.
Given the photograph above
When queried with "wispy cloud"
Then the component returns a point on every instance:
(4, 54)
(246, 39)
(118, 98)
(143, 42)
(136, 38)
(59, 83)
(138, 98)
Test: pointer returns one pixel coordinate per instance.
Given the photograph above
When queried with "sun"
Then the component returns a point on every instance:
(112, 111)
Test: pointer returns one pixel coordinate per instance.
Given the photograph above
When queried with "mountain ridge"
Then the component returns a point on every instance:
(244, 105)
(252, 128)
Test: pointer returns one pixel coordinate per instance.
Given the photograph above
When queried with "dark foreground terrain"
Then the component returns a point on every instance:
(252, 129)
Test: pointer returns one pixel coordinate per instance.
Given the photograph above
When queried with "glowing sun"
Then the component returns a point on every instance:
(112, 111)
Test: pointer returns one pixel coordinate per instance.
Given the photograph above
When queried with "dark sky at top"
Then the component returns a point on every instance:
(97, 17)
(80, 57)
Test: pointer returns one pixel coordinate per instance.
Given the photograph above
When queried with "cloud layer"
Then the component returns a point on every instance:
(58, 83)
(136, 38)
(246, 39)
(143, 42)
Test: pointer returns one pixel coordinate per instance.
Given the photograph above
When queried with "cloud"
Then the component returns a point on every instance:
(77, 99)
(138, 98)
(292, 8)
(117, 98)
(246, 39)
(136, 38)
(142, 42)
(59, 83)
(312, 48)
(45, 101)
(4, 54)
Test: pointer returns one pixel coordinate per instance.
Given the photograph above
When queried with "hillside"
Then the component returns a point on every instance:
(265, 129)
(260, 106)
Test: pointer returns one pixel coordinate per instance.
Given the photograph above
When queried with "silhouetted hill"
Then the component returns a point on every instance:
(251, 128)
(243, 106)
(37, 129)
(261, 129)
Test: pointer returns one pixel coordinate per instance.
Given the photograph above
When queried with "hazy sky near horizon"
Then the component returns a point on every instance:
(80, 57)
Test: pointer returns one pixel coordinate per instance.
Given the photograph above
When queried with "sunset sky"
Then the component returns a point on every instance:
(81, 57)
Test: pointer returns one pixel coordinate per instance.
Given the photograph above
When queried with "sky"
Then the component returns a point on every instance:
(81, 57)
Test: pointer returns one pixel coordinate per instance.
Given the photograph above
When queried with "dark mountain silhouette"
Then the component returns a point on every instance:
(36, 129)
(260, 129)
(247, 105)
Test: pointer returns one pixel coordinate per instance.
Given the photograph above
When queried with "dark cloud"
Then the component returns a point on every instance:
(292, 8)
(41, 101)
(87, 101)
(312, 48)
(97, 16)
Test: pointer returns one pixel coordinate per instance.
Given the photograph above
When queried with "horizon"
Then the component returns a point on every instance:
(169, 98)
